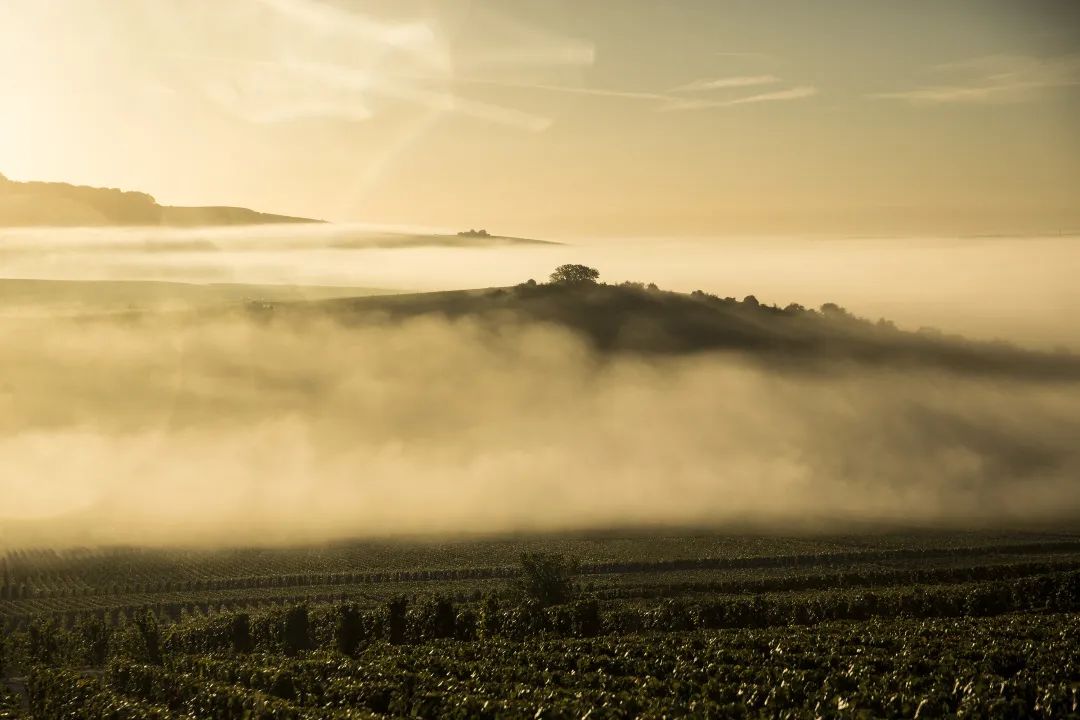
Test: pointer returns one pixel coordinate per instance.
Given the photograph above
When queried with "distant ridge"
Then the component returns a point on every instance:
(52, 204)
(483, 236)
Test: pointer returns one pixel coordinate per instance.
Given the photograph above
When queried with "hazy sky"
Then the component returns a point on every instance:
(560, 118)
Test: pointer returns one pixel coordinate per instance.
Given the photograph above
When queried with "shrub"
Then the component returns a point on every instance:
(296, 630)
(547, 578)
(349, 629)
(396, 619)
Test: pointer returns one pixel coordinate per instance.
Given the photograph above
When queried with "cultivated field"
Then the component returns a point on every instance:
(977, 624)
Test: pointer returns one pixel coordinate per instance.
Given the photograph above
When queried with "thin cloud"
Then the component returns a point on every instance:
(567, 89)
(510, 42)
(993, 79)
(437, 100)
(697, 94)
(794, 93)
(727, 82)
(945, 94)
(311, 59)
(565, 55)
(328, 21)
(758, 55)
(669, 102)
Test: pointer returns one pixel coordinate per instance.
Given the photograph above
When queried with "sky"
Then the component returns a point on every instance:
(561, 119)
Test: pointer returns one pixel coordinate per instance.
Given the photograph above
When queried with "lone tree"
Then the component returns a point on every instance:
(833, 310)
(574, 275)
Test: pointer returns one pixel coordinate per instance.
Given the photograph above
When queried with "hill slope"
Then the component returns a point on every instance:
(633, 319)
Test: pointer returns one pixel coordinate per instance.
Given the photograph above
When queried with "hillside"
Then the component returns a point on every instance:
(49, 204)
(631, 318)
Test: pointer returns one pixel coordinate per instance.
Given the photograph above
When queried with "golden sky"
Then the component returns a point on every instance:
(560, 118)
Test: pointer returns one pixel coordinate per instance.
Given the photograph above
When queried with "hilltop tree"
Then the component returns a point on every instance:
(574, 274)
(833, 310)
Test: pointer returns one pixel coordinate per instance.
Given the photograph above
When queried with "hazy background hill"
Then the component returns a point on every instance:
(44, 204)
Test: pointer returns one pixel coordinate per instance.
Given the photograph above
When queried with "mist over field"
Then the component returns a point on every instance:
(231, 428)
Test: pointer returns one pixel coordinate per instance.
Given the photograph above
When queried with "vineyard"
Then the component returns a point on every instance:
(927, 625)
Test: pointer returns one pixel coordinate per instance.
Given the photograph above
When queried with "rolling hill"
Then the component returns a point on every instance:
(631, 318)
(49, 204)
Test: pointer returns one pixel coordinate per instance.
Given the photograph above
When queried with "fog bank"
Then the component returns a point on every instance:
(237, 430)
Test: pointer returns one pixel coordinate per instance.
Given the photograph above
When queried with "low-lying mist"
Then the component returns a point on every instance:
(237, 429)
(1021, 289)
